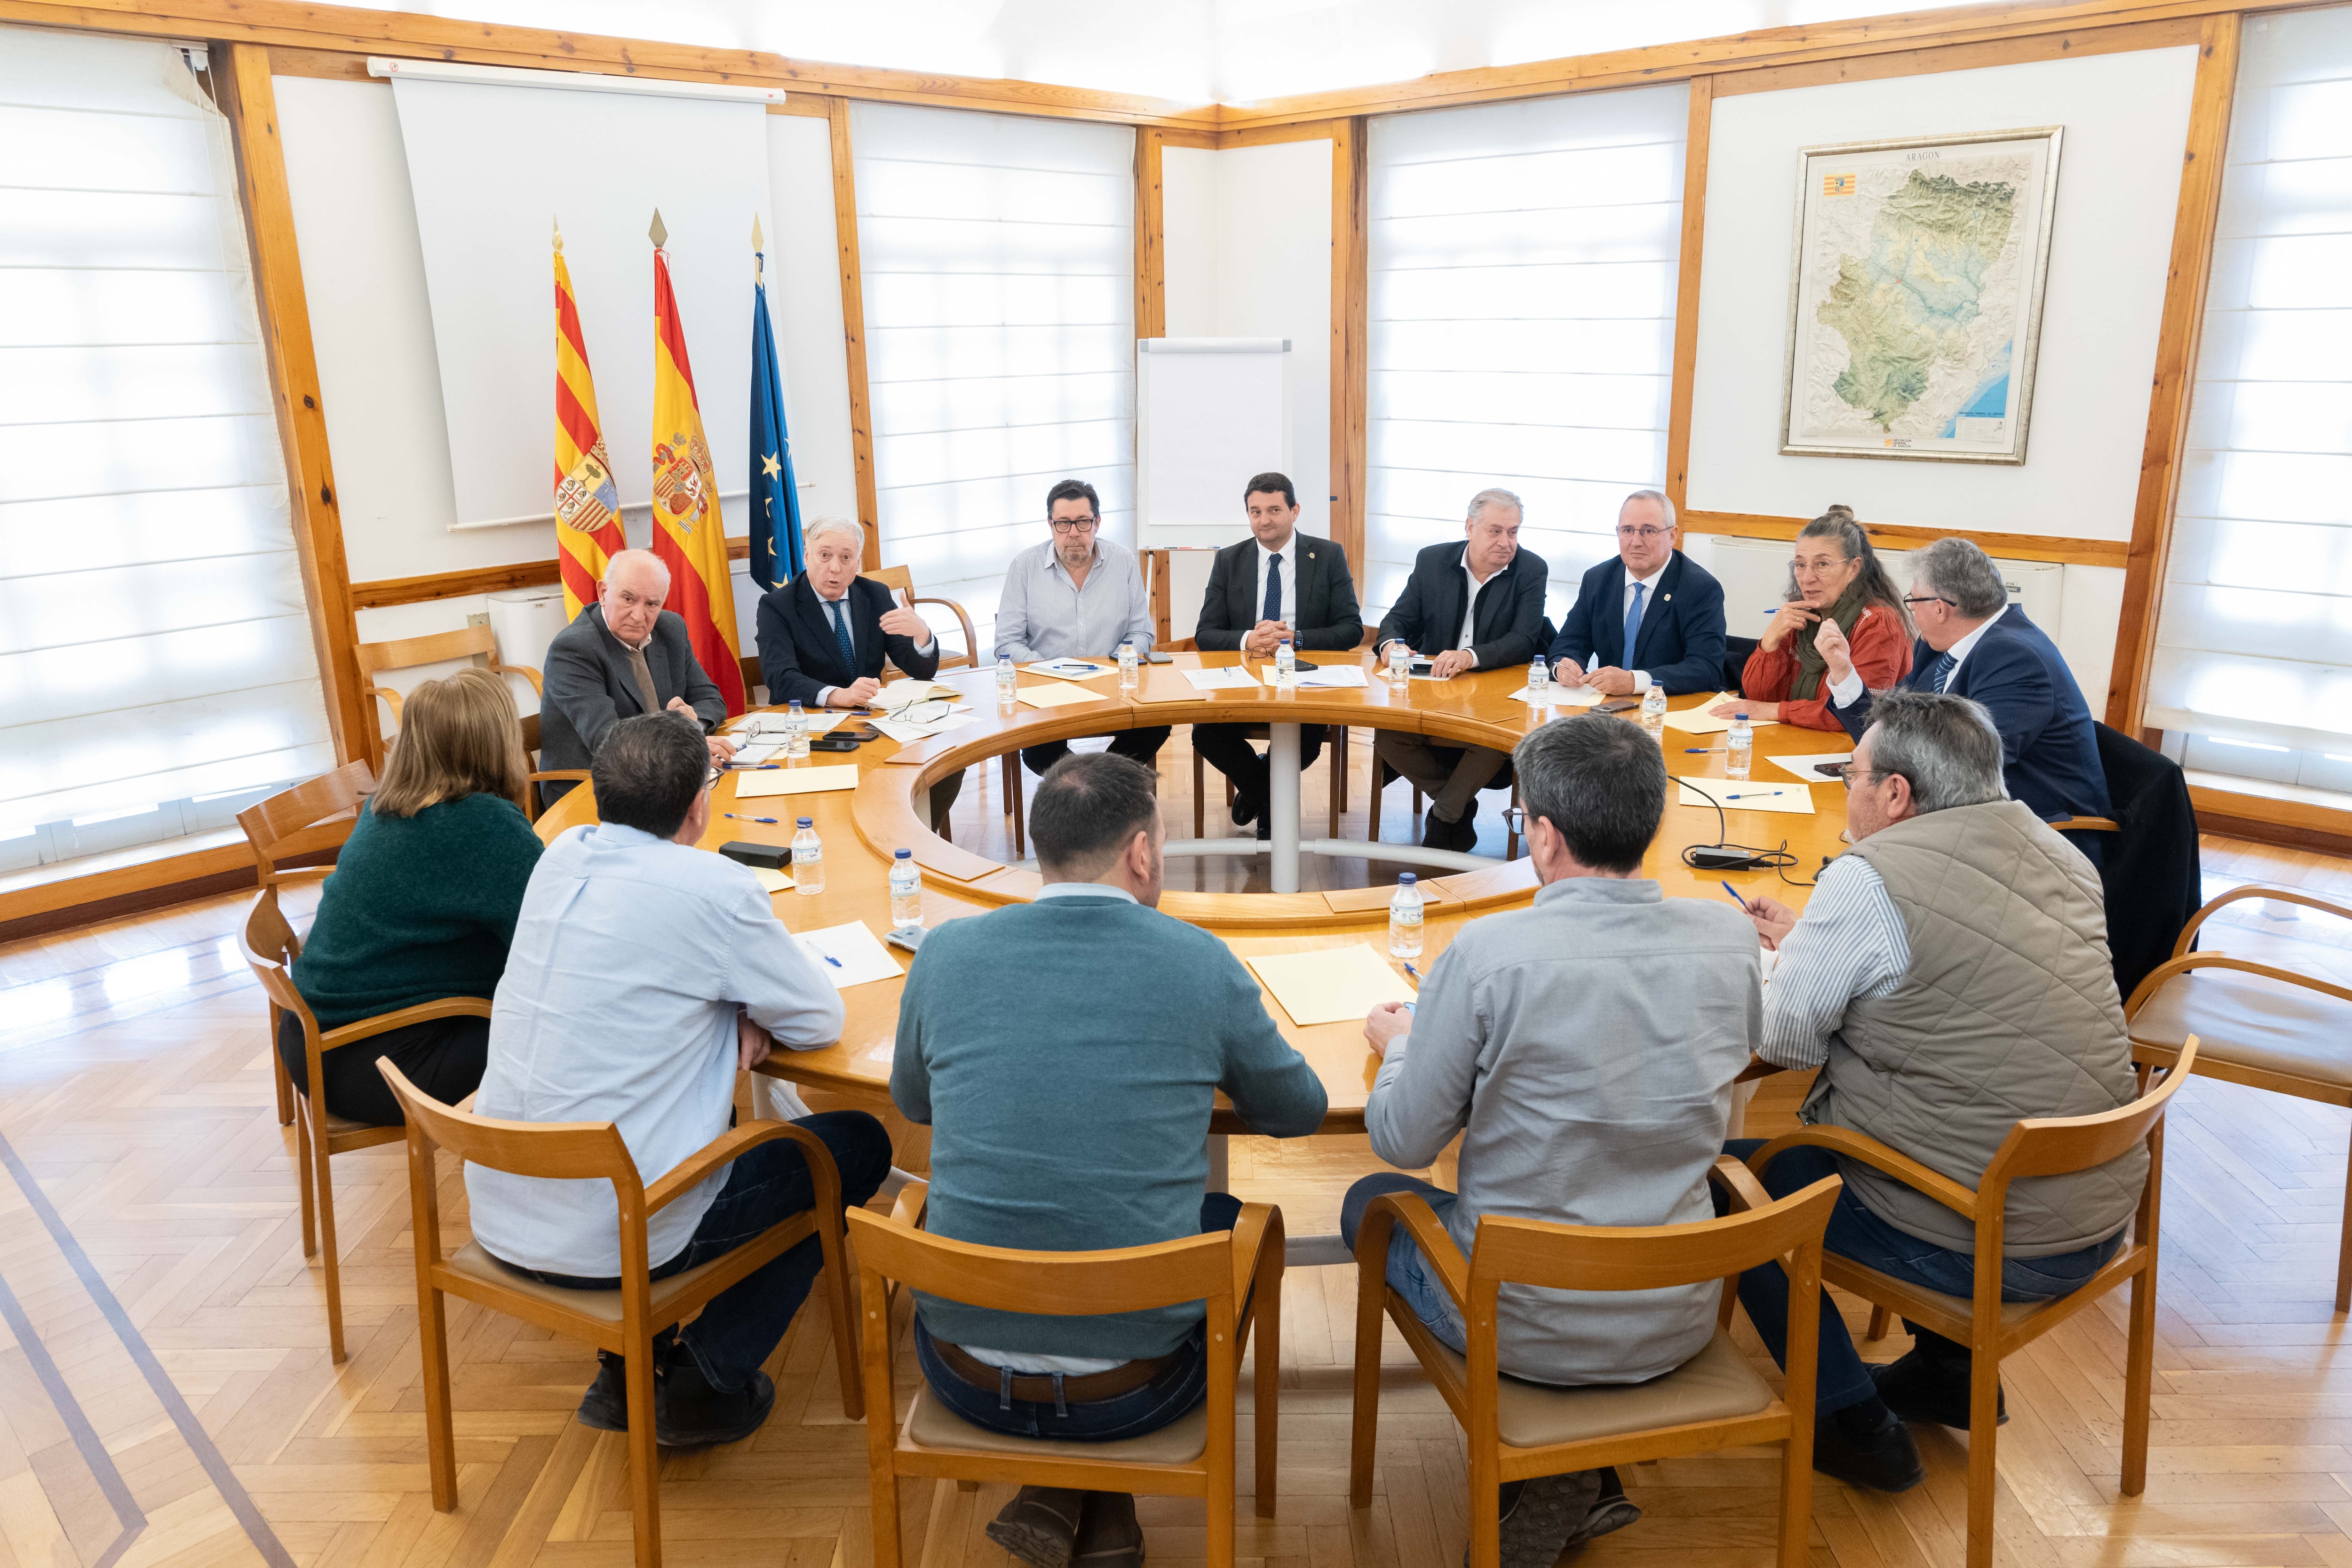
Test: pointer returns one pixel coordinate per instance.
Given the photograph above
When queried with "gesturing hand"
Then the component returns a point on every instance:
(901, 619)
(1773, 920)
(1831, 644)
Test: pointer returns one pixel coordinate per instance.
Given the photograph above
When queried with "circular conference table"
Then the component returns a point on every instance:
(862, 826)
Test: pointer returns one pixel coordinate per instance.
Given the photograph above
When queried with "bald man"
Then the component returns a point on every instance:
(622, 656)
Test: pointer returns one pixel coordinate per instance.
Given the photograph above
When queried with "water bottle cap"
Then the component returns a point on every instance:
(1406, 878)
(901, 854)
(806, 822)
(795, 706)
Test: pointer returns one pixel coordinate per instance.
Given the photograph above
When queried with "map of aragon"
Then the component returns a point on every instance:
(1907, 306)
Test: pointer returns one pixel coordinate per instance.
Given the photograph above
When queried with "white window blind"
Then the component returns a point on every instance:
(2253, 659)
(998, 255)
(1523, 264)
(155, 651)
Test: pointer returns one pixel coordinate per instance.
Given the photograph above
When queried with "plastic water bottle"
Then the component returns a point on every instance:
(808, 859)
(1007, 679)
(1540, 676)
(1286, 664)
(1653, 708)
(1400, 664)
(1404, 918)
(1742, 743)
(1128, 675)
(906, 891)
(796, 731)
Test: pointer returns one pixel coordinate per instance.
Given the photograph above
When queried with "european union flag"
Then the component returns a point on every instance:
(775, 499)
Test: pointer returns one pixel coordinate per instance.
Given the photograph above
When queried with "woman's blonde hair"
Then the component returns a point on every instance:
(458, 736)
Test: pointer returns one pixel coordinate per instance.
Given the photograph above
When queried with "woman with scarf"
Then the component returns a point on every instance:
(1834, 573)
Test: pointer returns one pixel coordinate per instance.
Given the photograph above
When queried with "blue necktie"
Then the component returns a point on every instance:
(840, 636)
(1941, 675)
(1633, 624)
(1272, 589)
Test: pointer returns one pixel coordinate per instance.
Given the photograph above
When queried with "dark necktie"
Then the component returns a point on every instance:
(1940, 675)
(1272, 589)
(840, 636)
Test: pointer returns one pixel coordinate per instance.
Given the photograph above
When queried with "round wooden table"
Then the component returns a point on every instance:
(886, 812)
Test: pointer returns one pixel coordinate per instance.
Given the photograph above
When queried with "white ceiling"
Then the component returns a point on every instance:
(1192, 51)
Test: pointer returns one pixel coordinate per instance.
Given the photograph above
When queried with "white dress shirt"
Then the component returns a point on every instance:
(1470, 606)
(825, 693)
(1289, 554)
(1649, 586)
(630, 959)
(1847, 692)
(1849, 944)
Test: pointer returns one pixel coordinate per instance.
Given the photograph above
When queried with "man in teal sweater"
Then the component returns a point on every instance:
(1061, 1123)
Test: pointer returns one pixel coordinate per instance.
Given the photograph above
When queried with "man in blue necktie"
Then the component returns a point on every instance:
(1649, 616)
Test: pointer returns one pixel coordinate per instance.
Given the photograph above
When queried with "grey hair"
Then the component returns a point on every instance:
(1485, 499)
(1665, 506)
(1945, 745)
(819, 527)
(1600, 782)
(635, 557)
(1962, 575)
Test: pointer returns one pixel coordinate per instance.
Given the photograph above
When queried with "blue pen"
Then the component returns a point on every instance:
(1408, 969)
(752, 767)
(1697, 751)
(770, 821)
(830, 959)
(1737, 899)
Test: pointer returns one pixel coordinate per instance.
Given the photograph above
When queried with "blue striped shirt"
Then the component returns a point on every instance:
(1849, 944)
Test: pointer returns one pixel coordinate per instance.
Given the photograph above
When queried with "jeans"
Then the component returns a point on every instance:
(1410, 1274)
(1856, 1233)
(1166, 1399)
(744, 1323)
(1141, 745)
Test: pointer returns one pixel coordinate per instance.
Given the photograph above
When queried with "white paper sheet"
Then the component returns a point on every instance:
(1747, 795)
(1803, 766)
(1330, 676)
(1556, 696)
(1232, 678)
(1077, 668)
(850, 954)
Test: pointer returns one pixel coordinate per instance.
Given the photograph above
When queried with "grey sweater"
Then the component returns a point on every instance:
(1066, 1054)
(1585, 1049)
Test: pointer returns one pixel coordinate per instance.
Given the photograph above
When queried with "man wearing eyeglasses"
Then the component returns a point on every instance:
(1651, 617)
(1077, 595)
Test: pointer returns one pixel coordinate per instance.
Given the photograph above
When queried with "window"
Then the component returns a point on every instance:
(1523, 266)
(156, 665)
(1000, 334)
(2252, 671)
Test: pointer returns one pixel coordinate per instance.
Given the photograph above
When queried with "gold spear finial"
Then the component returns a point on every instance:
(558, 236)
(657, 234)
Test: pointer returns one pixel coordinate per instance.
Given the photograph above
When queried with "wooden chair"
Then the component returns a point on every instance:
(532, 805)
(270, 948)
(1238, 1274)
(310, 819)
(1517, 1430)
(2262, 1027)
(439, 647)
(902, 579)
(1990, 1327)
(624, 1320)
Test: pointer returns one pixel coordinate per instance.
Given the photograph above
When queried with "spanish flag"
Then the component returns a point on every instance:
(587, 501)
(688, 533)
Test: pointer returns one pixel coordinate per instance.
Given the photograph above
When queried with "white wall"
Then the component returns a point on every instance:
(1248, 255)
(364, 271)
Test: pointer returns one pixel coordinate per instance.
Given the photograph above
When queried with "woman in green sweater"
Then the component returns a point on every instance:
(422, 901)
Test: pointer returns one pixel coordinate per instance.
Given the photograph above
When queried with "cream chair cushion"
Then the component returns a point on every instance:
(604, 1306)
(2252, 1021)
(932, 1424)
(1715, 1385)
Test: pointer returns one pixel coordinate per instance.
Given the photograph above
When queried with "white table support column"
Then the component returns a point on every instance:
(1282, 804)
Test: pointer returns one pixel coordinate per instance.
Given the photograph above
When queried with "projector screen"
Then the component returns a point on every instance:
(490, 166)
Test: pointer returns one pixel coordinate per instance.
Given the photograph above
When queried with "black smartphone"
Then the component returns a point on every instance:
(1617, 705)
(836, 743)
(1830, 770)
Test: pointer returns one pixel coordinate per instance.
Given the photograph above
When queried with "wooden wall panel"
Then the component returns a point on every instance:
(853, 326)
(1150, 237)
(1687, 273)
(1350, 339)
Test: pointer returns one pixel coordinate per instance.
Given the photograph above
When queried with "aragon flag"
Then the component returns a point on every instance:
(688, 533)
(587, 502)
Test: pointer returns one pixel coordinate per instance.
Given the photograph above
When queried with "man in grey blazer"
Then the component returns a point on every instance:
(622, 656)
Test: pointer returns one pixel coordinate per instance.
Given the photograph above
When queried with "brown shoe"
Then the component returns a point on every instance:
(1039, 1525)
(1108, 1536)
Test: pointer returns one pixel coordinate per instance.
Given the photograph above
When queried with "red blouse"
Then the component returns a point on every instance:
(1881, 656)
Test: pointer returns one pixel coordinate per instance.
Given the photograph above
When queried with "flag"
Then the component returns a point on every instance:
(587, 502)
(688, 533)
(775, 499)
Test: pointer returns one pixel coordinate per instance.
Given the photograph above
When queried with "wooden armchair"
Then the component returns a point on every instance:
(2261, 1025)
(310, 819)
(270, 948)
(903, 581)
(1517, 1430)
(406, 653)
(624, 1320)
(1238, 1275)
(1990, 1327)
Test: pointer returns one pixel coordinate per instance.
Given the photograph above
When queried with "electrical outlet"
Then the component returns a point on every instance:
(479, 618)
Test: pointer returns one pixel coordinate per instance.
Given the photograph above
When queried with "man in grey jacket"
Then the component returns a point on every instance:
(1585, 1049)
(1950, 976)
(622, 656)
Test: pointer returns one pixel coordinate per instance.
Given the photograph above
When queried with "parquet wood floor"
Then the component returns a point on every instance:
(165, 1396)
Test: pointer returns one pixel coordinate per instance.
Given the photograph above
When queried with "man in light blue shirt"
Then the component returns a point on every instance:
(1077, 595)
(644, 975)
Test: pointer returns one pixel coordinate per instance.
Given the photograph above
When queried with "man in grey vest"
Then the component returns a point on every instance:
(1949, 977)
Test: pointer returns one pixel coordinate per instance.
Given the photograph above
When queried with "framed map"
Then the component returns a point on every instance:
(1915, 297)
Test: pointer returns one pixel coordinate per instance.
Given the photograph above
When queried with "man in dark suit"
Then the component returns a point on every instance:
(1651, 617)
(1473, 604)
(1974, 643)
(621, 656)
(1278, 582)
(823, 635)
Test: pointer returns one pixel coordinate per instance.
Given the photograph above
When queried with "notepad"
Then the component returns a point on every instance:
(1232, 678)
(898, 693)
(1699, 721)
(1057, 696)
(1747, 795)
(1557, 696)
(797, 781)
(850, 955)
(1075, 669)
(1332, 985)
(770, 880)
(1329, 677)
(1803, 766)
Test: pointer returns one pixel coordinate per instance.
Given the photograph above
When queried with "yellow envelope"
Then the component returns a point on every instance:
(1060, 696)
(795, 781)
(1331, 986)
(1747, 794)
